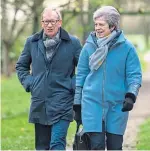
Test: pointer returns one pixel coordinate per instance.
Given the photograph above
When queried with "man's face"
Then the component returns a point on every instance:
(102, 28)
(51, 23)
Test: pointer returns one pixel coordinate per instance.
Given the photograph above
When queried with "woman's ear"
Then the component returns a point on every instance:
(112, 28)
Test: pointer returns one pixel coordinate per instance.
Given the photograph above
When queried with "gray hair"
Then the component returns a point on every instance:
(54, 10)
(58, 13)
(110, 14)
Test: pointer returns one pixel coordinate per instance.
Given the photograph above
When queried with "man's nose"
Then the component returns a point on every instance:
(49, 25)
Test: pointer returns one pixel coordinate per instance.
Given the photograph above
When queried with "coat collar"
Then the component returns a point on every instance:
(92, 39)
(63, 35)
(121, 38)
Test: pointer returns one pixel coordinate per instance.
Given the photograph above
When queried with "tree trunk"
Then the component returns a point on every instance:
(37, 7)
(35, 23)
(5, 60)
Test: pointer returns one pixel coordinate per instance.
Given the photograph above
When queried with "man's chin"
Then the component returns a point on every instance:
(51, 34)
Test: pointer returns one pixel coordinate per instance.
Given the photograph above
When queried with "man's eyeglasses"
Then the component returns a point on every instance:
(46, 22)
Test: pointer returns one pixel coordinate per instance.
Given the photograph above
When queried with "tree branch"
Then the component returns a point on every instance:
(20, 31)
(14, 22)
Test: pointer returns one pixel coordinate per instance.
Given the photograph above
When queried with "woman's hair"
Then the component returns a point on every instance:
(110, 15)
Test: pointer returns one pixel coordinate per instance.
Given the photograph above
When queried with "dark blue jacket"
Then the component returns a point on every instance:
(51, 83)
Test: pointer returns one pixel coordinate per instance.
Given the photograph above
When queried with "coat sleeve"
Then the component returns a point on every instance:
(133, 72)
(23, 67)
(78, 48)
(82, 68)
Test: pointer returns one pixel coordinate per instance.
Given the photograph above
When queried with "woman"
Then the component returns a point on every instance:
(107, 83)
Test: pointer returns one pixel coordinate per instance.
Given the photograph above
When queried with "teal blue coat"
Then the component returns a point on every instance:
(104, 89)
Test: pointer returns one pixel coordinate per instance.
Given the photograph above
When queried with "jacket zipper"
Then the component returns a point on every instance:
(104, 74)
(48, 72)
(46, 92)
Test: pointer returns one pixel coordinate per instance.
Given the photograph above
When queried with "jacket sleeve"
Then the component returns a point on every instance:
(82, 68)
(78, 96)
(78, 48)
(82, 72)
(133, 73)
(23, 67)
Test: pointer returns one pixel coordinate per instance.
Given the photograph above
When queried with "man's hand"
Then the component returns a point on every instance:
(77, 116)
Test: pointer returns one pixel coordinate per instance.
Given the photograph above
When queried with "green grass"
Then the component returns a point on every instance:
(144, 64)
(143, 141)
(16, 132)
(14, 98)
(139, 42)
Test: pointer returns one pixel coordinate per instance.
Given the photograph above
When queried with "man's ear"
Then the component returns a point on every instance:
(60, 23)
(42, 25)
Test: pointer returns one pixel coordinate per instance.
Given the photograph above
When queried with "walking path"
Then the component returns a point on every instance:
(138, 115)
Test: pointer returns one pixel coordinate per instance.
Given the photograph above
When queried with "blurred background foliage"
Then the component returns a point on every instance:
(21, 18)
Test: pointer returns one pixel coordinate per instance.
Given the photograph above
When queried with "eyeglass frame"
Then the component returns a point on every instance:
(49, 21)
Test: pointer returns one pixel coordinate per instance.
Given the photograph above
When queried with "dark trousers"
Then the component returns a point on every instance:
(100, 140)
(51, 137)
(112, 141)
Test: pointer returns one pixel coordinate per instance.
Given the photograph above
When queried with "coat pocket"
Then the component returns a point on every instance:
(37, 86)
(64, 84)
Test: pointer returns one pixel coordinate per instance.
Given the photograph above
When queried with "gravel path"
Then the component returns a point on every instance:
(138, 115)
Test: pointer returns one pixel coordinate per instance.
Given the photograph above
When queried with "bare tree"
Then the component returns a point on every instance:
(16, 15)
(37, 7)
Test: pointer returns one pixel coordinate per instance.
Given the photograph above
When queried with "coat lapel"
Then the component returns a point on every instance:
(38, 38)
(42, 48)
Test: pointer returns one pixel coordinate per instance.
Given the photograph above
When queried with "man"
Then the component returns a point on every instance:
(107, 81)
(53, 55)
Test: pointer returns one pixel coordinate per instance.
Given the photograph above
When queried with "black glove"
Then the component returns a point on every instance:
(77, 116)
(129, 102)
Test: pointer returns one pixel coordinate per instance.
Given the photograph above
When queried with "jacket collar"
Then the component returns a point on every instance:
(121, 38)
(63, 35)
(92, 39)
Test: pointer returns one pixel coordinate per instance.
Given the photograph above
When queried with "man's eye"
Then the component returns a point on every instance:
(46, 21)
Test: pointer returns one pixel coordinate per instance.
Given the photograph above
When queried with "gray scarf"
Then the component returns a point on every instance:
(50, 44)
(98, 57)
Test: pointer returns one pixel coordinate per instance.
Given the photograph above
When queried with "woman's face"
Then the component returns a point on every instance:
(102, 28)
